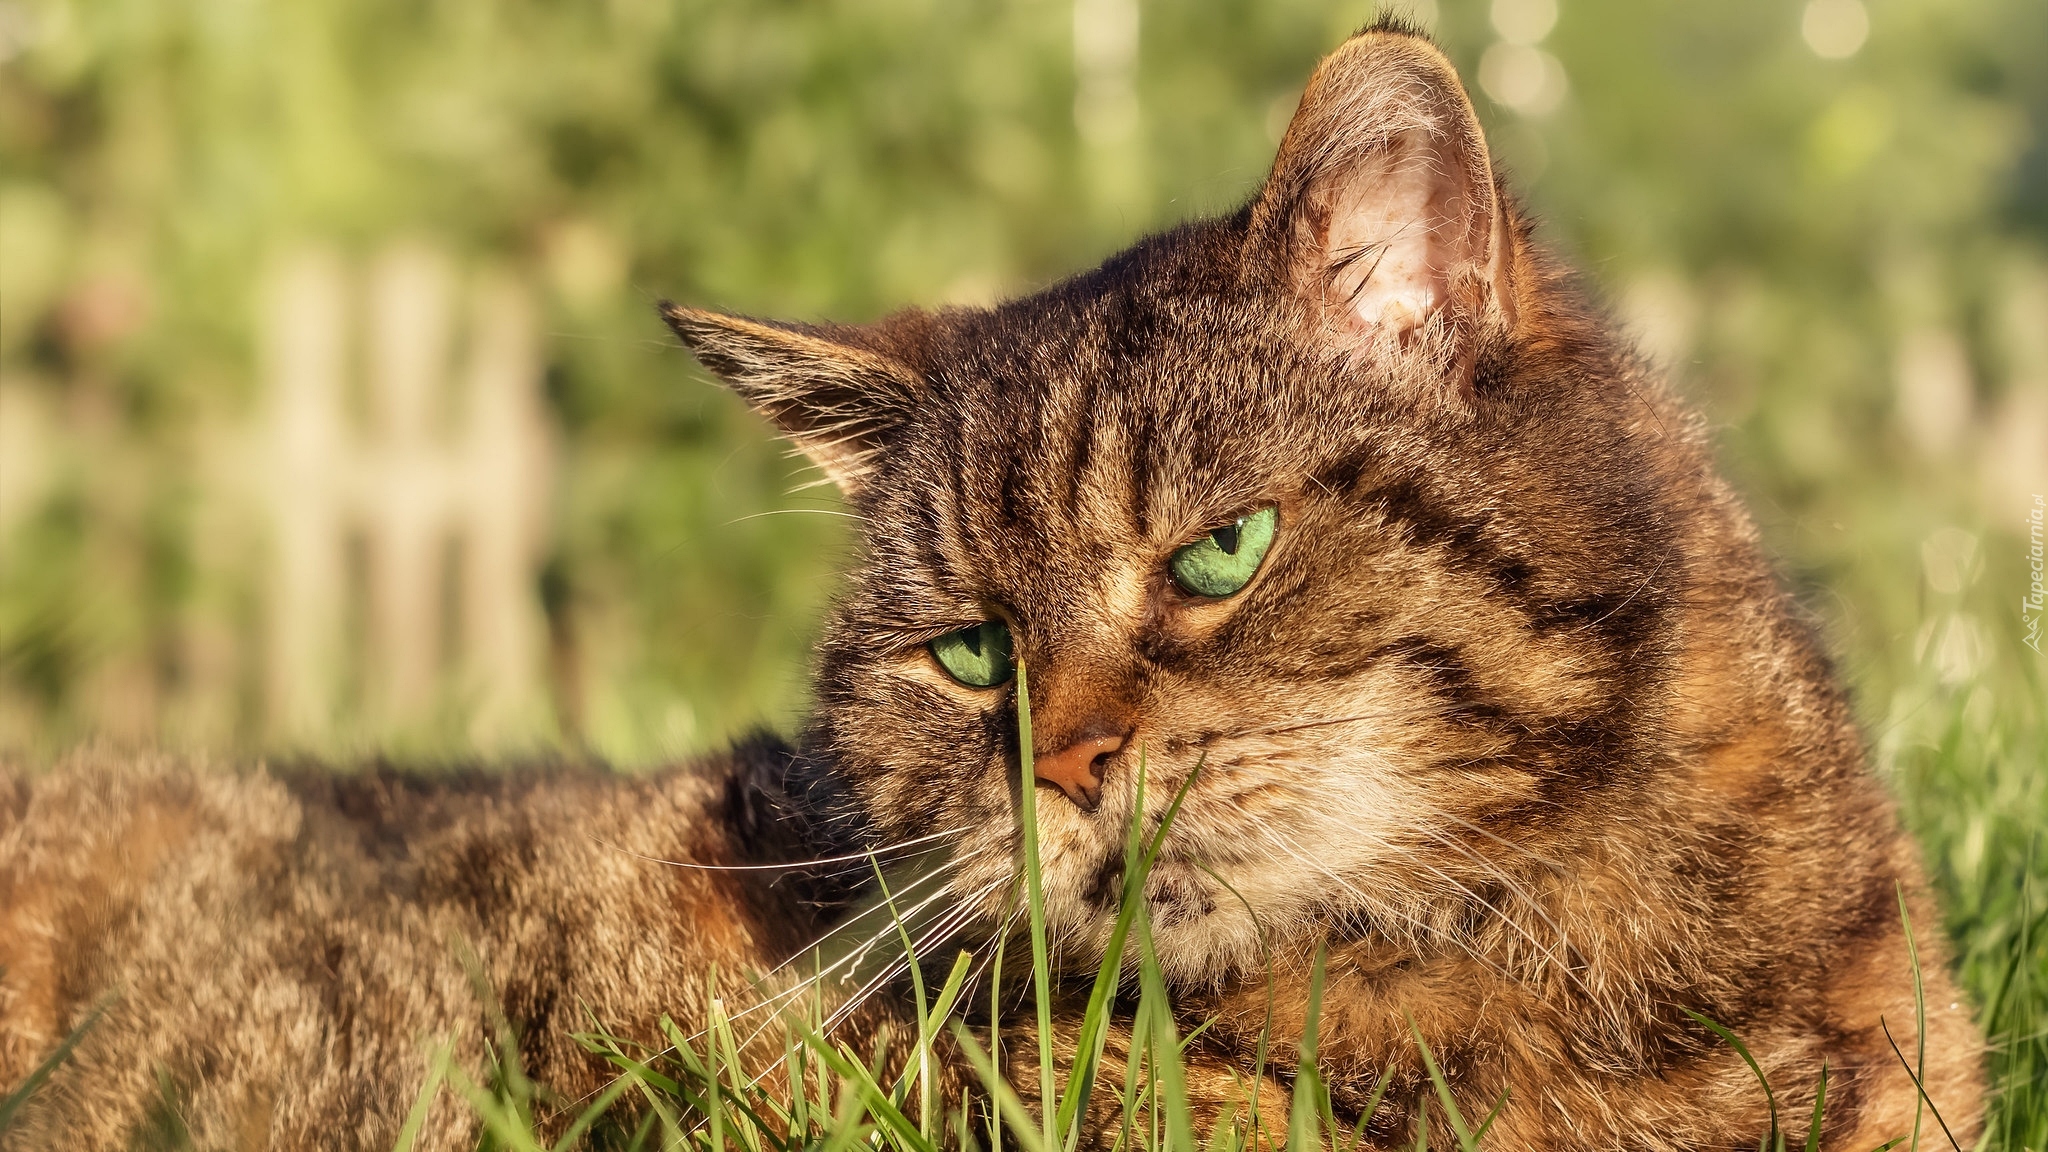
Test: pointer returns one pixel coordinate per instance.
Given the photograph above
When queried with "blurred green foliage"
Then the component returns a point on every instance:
(1836, 241)
(1776, 219)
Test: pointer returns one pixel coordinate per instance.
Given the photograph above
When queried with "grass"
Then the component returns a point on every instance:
(1972, 791)
(1968, 766)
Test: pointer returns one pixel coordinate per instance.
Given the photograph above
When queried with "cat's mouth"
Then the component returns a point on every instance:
(1200, 928)
(1178, 896)
(1176, 890)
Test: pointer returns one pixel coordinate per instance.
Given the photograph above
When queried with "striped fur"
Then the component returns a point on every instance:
(1514, 719)
(1514, 722)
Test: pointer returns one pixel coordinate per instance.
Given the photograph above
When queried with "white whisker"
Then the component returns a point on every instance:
(947, 924)
(1500, 874)
(1497, 838)
(816, 979)
(1376, 907)
(852, 957)
(1548, 952)
(880, 905)
(790, 511)
(1358, 717)
(869, 854)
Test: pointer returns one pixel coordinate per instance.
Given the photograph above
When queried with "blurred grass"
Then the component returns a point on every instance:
(1969, 768)
(791, 1085)
(1799, 238)
(1845, 261)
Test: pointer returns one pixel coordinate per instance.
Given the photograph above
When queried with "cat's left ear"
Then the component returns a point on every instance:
(1382, 216)
(835, 400)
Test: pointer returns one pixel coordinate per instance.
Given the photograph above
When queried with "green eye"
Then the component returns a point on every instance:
(978, 657)
(1225, 560)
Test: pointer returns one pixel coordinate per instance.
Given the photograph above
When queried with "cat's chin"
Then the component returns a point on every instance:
(1211, 949)
(1201, 933)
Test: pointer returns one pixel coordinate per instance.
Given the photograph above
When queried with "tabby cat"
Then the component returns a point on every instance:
(1347, 498)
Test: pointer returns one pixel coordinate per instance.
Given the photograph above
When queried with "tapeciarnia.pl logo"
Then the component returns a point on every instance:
(2037, 596)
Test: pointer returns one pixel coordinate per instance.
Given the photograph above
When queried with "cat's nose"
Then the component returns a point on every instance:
(1077, 769)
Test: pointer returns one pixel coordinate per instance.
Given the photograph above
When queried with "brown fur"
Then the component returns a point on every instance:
(1513, 721)
(286, 951)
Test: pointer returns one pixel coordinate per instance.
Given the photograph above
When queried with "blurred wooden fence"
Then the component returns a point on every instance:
(407, 475)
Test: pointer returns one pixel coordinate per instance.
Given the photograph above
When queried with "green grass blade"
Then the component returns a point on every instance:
(2022, 1062)
(995, 1026)
(1492, 1114)
(1466, 1140)
(659, 1111)
(502, 1118)
(1372, 1106)
(1168, 1073)
(1742, 1050)
(963, 1131)
(1088, 1044)
(649, 1076)
(949, 993)
(1261, 1054)
(47, 1068)
(1923, 1100)
(1303, 1117)
(1034, 886)
(590, 1115)
(703, 1070)
(795, 1068)
(847, 1129)
(1022, 1123)
(646, 1129)
(1919, 1068)
(409, 1132)
(879, 1102)
(1140, 854)
(713, 1088)
(514, 1089)
(921, 1068)
(1820, 1103)
(927, 1094)
(742, 1085)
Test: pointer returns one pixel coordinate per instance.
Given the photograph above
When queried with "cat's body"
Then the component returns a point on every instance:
(283, 954)
(1344, 502)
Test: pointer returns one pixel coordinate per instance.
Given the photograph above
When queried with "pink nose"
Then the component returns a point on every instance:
(1077, 769)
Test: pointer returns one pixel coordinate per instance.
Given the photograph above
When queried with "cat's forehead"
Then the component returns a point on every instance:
(1148, 409)
(1069, 442)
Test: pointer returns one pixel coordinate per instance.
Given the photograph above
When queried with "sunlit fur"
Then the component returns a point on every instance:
(1513, 720)
(1513, 723)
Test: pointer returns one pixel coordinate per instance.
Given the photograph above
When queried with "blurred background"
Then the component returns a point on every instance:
(334, 413)
(335, 417)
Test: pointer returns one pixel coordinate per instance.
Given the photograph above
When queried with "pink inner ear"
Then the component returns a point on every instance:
(1398, 227)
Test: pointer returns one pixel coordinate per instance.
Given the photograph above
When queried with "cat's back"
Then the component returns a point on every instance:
(269, 956)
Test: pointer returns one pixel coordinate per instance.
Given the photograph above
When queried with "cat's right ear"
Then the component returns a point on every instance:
(1381, 214)
(837, 403)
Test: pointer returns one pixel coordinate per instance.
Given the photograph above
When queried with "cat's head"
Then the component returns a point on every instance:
(1339, 497)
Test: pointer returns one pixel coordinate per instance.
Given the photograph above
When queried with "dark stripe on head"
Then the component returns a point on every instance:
(1424, 524)
(1444, 669)
(1084, 439)
(1138, 466)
